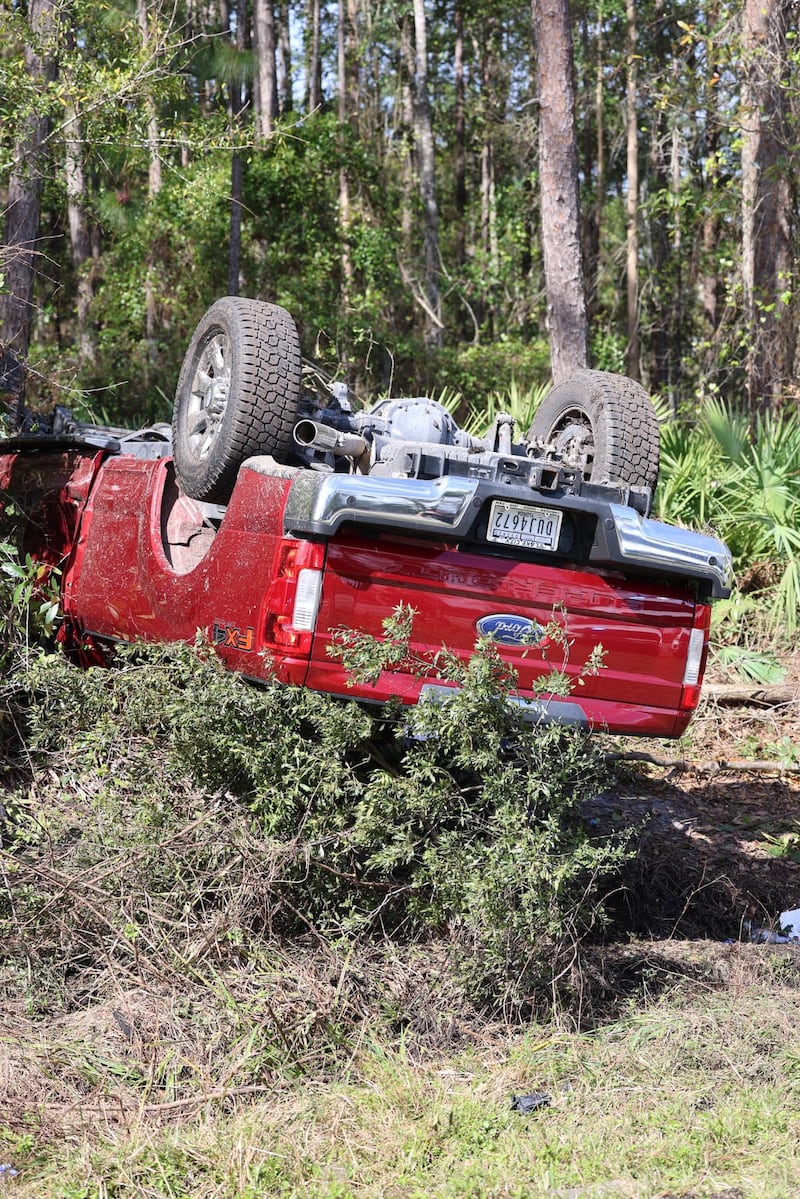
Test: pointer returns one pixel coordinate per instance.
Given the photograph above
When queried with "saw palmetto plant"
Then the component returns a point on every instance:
(742, 479)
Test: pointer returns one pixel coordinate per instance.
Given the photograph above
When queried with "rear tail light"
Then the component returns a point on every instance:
(306, 600)
(696, 658)
(293, 597)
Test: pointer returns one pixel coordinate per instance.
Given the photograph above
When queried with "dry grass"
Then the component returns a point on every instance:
(695, 1094)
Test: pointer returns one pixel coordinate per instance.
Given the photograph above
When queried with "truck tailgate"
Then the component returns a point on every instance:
(643, 627)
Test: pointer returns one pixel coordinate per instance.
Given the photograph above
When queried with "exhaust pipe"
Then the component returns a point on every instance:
(310, 435)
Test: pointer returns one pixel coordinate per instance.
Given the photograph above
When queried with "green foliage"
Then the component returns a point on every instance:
(28, 602)
(285, 810)
(764, 668)
(742, 479)
(477, 371)
(521, 403)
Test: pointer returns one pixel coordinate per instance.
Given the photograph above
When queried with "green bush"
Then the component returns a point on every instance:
(478, 370)
(276, 811)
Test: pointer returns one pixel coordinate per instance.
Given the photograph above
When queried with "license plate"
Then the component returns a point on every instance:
(524, 526)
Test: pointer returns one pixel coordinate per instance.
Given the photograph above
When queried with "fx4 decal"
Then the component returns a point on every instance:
(230, 636)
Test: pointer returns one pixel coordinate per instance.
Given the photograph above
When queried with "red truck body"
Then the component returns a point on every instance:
(140, 560)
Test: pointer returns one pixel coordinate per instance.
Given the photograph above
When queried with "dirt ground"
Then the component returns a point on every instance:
(718, 848)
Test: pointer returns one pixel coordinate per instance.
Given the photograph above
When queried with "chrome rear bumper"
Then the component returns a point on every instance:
(449, 507)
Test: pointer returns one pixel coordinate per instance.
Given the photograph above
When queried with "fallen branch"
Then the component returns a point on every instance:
(716, 766)
(736, 693)
(418, 297)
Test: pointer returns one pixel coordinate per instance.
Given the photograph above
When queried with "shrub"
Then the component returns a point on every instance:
(216, 811)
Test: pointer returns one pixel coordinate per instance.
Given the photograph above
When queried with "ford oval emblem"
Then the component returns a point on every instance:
(509, 629)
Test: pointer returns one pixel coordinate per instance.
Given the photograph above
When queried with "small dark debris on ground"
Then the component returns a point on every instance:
(525, 1104)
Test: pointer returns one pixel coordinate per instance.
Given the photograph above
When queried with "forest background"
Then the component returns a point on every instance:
(376, 167)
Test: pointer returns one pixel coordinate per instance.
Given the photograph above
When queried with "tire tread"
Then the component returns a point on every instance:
(263, 399)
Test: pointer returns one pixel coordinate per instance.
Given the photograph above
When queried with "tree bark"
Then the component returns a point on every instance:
(153, 135)
(237, 103)
(343, 40)
(285, 82)
(313, 58)
(460, 138)
(558, 170)
(79, 231)
(710, 284)
(489, 105)
(592, 172)
(235, 243)
(407, 181)
(740, 693)
(659, 218)
(766, 204)
(600, 152)
(153, 188)
(426, 166)
(23, 209)
(676, 276)
(632, 201)
(265, 79)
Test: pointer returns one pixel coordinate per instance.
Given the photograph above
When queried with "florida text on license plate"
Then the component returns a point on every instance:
(523, 525)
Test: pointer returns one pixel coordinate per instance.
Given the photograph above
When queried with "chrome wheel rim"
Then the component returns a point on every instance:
(208, 398)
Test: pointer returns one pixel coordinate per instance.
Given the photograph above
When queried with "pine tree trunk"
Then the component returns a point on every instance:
(237, 104)
(490, 106)
(600, 149)
(766, 205)
(460, 139)
(676, 312)
(79, 231)
(710, 285)
(153, 188)
(661, 282)
(590, 222)
(407, 182)
(426, 165)
(531, 152)
(153, 134)
(235, 243)
(342, 46)
(710, 281)
(558, 172)
(265, 89)
(285, 82)
(313, 59)
(23, 208)
(632, 202)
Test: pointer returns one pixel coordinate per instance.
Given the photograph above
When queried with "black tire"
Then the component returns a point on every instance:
(237, 394)
(608, 420)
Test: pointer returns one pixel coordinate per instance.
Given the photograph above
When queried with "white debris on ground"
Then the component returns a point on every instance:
(786, 932)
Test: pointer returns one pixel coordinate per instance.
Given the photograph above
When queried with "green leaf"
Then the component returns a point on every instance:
(756, 667)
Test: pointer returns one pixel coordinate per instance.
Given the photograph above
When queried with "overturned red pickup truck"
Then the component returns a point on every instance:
(271, 515)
